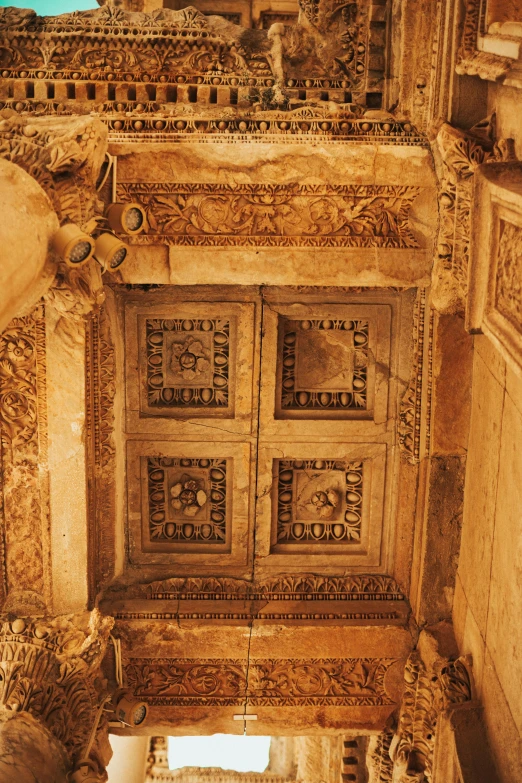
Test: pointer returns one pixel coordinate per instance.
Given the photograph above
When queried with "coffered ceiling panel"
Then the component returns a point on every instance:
(322, 502)
(190, 361)
(188, 501)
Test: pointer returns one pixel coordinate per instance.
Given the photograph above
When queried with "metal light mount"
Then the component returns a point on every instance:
(73, 244)
(127, 218)
(128, 709)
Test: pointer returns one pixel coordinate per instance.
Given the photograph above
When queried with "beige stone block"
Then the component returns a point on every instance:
(481, 490)
(503, 735)
(322, 500)
(325, 370)
(491, 357)
(188, 503)
(459, 612)
(514, 388)
(504, 630)
(298, 266)
(190, 366)
(473, 644)
(153, 258)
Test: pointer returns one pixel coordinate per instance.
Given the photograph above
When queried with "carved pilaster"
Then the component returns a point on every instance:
(50, 668)
(461, 153)
(430, 688)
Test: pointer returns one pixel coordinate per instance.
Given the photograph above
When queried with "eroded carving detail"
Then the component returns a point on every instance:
(319, 501)
(23, 429)
(470, 60)
(49, 669)
(508, 290)
(188, 363)
(268, 682)
(461, 153)
(427, 693)
(187, 500)
(324, 364)
(63, 155)
(277, 215)
(410, 413)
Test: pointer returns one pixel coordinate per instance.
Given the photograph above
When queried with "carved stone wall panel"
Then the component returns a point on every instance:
(195, 366)
(24, 491)
(328, 365)
(188, 503)
(495, 302)
(322, 500)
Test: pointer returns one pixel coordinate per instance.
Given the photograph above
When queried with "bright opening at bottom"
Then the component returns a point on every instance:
(228, 751)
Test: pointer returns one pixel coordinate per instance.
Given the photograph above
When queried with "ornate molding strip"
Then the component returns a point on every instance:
(240, 616)
(308, 587)
(264, 682)
(274, 216)
(100, 380)
(410, 413)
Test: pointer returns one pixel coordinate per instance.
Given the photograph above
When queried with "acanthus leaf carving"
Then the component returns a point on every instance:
(429, 690)
(265, 682)
(278, 215)
(50, 669)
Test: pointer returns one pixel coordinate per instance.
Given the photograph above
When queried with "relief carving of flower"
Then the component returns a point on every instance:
(188, 496)
(190, 358)
(324, 503)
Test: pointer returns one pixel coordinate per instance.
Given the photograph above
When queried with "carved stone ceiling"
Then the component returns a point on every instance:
(259, 376)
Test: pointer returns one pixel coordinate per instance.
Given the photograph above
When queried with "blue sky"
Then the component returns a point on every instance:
(228, 751)
(51, 7)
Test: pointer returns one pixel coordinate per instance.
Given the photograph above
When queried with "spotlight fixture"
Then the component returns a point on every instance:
(129, 218)
(73, 245)
(109, 251)
(129, 710)
(86, 772)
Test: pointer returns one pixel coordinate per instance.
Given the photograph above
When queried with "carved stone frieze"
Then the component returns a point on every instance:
(49, 668)
(278, 215)
(100, 382)
(319, 501)
(264, 682)
(340, 51)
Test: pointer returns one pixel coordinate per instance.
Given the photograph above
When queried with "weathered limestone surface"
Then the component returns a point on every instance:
(28, 224)
(487, 598)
